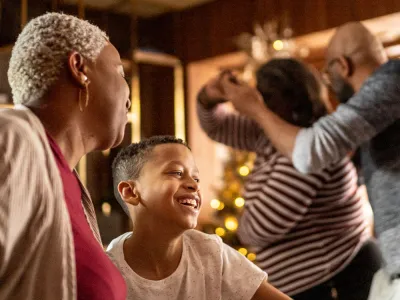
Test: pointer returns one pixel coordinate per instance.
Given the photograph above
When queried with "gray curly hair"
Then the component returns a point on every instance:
(41, 50)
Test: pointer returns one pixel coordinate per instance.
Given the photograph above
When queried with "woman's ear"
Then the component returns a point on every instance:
(78, 69)
(128, 192)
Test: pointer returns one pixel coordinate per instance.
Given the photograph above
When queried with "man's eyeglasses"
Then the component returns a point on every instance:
(325, 71)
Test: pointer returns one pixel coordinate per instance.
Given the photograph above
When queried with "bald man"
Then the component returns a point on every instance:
(368, 85)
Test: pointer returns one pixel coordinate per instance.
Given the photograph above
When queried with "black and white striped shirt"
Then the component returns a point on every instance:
(305, 228)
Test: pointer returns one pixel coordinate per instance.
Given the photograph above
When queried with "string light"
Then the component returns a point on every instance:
(304, 52)
(243, 251)
(220, 231)
(106, 209)
(221, 206)
(251, 256)
(278, 45)
(231, 223)
(239, 202)
(244, 171)
(272, 39)
(215, 203)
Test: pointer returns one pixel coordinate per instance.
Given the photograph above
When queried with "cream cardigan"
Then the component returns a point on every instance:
(36, 243)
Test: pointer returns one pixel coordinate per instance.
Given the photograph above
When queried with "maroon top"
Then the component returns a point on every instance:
(97, 277)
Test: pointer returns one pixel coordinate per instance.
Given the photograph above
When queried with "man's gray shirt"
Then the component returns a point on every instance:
(370, 119)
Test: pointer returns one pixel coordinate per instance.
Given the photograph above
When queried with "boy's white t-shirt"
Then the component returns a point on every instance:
(209, 270)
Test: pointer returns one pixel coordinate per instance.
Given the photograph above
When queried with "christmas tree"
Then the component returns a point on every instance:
(272, 39)
(229, 201)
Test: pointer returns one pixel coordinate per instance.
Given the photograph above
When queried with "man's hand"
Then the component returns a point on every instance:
(246, 100)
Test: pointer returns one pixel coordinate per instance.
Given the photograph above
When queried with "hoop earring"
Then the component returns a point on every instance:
(86, 97)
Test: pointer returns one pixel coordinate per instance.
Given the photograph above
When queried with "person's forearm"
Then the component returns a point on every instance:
(281, 133)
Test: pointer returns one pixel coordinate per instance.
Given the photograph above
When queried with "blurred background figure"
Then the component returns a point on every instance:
(310, 231)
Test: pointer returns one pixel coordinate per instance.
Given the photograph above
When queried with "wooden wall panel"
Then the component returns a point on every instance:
(157, 100)
(195, 30)
(366, 9)
(314, 16)
(267, 9)
(208, 31)
(149, 36)
(238, 16)
(10, 22)
(337, 12)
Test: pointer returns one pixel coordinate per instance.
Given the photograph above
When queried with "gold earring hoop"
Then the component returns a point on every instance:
(86, 89)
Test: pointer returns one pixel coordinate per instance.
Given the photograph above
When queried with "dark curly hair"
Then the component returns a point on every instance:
(292, 90)
(130, 160)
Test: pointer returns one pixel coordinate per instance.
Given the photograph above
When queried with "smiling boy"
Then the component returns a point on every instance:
(157, 183)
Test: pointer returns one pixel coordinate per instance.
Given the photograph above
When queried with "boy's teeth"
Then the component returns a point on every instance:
(192, 202)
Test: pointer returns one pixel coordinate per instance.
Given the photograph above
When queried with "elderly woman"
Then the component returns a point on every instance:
(309, 231)
(71, 98)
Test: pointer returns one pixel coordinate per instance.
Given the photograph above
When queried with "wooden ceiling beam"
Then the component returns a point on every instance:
(164, 4)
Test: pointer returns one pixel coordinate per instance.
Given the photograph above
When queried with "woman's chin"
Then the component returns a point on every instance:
(111, 142)
(118, 140)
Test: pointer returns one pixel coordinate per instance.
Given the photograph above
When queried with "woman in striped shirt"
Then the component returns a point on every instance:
(310, 232)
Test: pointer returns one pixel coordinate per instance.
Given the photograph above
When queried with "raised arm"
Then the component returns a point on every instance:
(226, 126)
(371, 110)
(375, 107)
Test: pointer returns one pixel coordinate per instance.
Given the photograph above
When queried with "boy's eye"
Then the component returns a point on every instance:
(197, 180)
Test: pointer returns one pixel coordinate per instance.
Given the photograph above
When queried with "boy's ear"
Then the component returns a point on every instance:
(128, 192)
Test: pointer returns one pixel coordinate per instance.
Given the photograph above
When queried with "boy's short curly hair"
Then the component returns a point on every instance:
(129, 162)
(41, 50)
